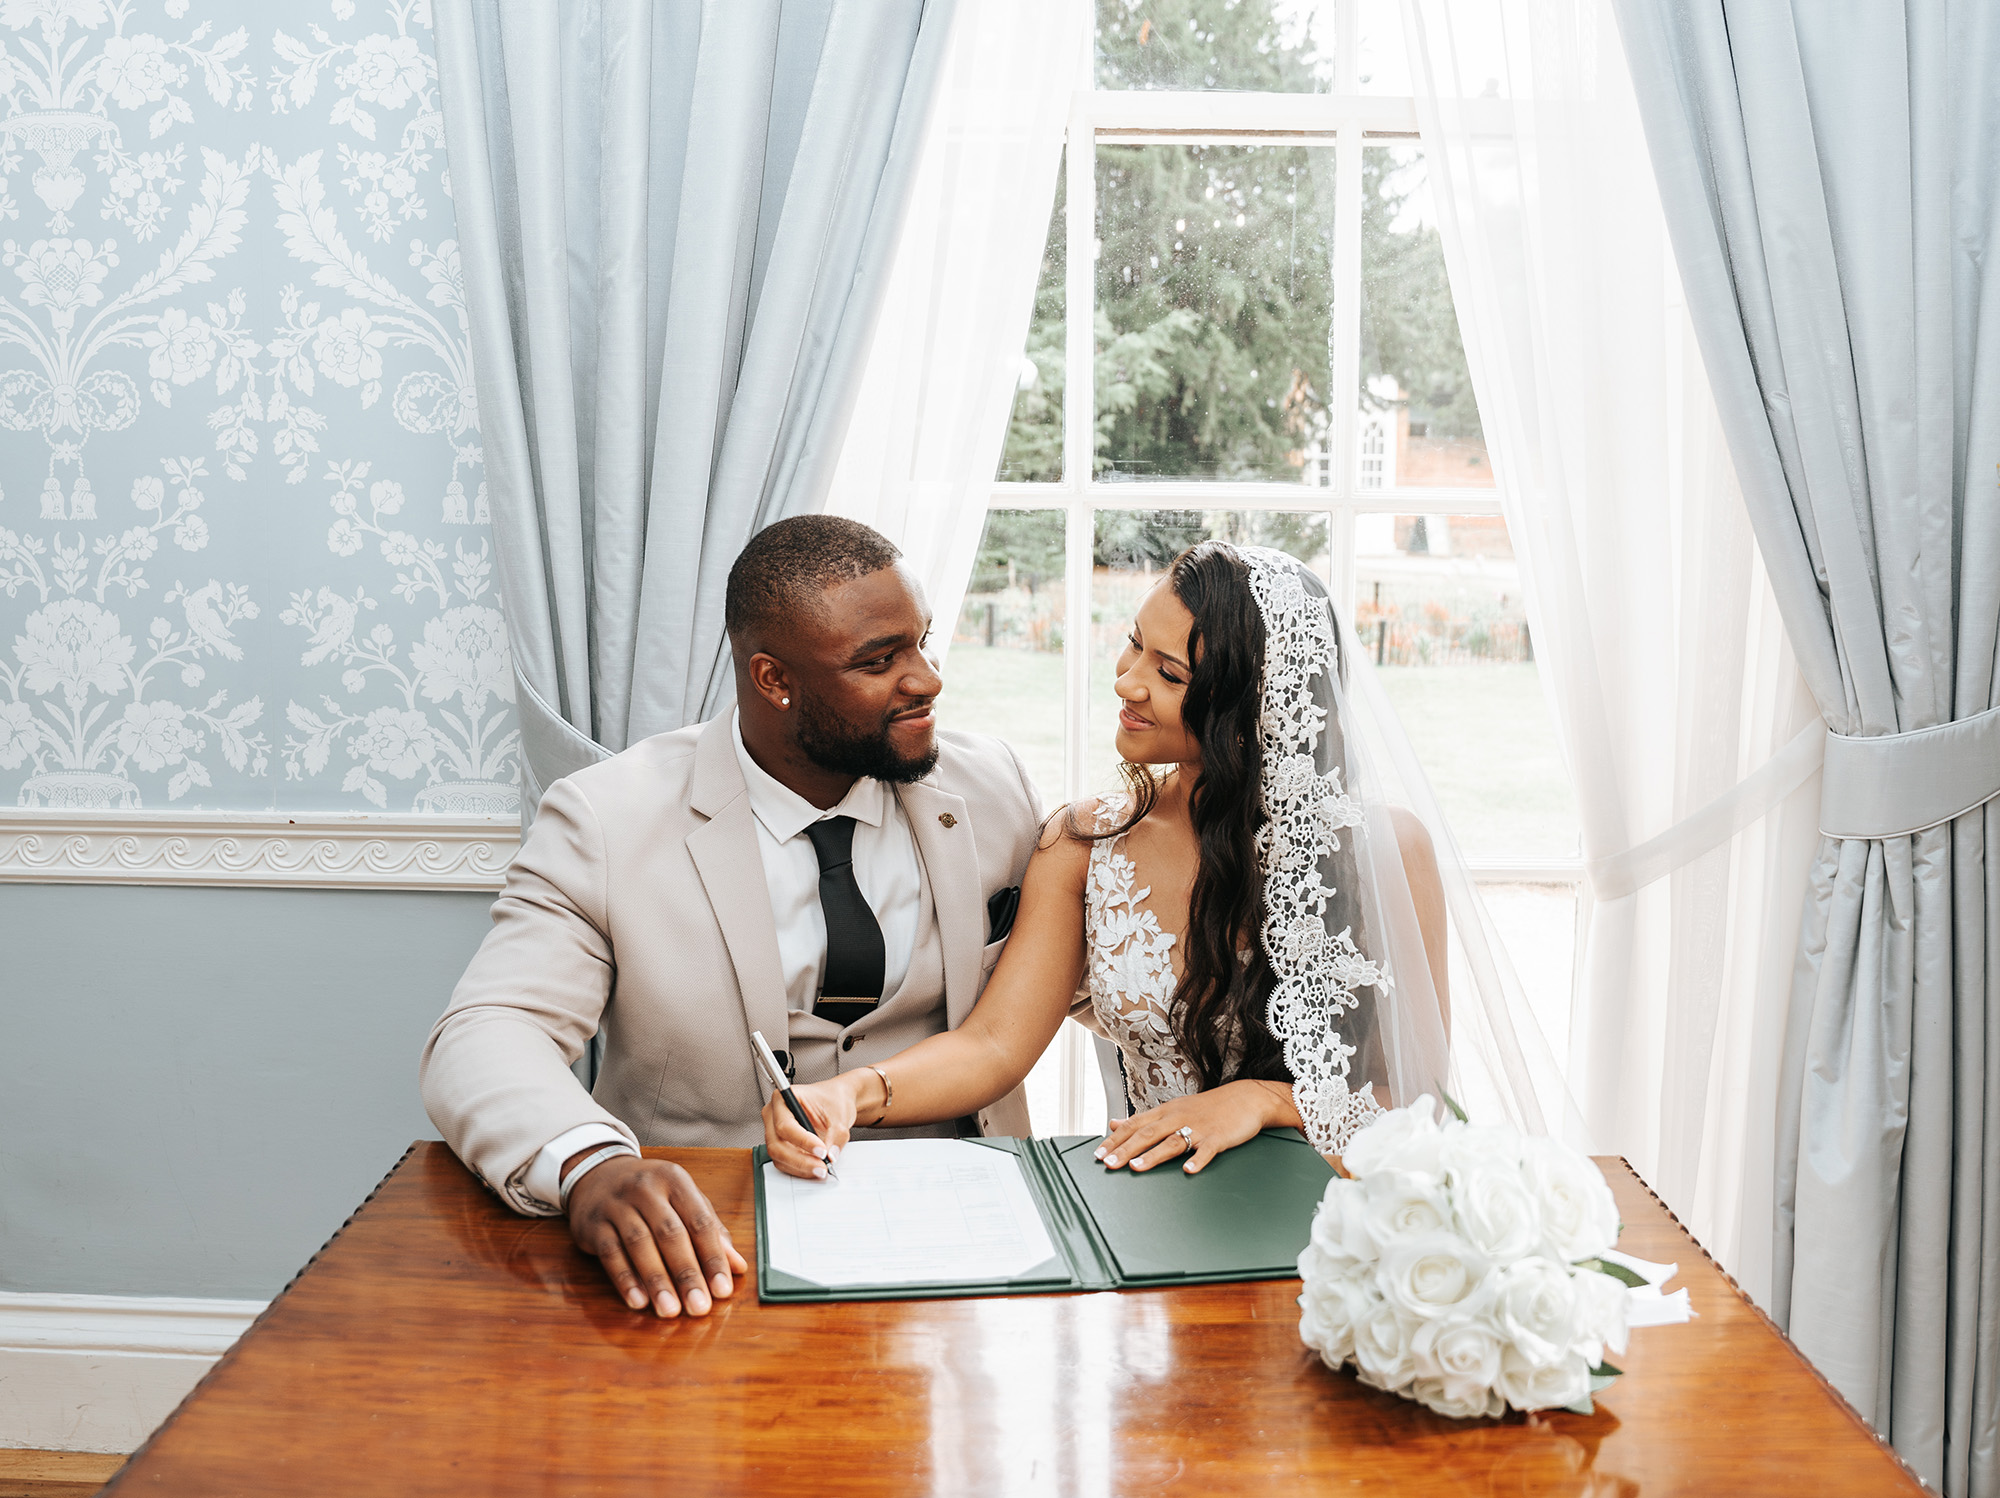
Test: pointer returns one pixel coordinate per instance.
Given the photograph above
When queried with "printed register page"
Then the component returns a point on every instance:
(906, 1211)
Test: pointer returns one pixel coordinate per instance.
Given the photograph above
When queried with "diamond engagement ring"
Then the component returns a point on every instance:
(1187, 1136)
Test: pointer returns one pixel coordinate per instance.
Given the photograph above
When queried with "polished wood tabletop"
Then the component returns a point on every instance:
(442, 1345)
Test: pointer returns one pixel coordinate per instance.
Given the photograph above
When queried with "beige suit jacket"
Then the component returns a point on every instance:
(637, 905)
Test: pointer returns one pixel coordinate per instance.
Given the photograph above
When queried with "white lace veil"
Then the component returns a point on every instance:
(1356, 1007)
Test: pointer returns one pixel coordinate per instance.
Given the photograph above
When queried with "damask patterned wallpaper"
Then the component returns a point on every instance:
(244, 559)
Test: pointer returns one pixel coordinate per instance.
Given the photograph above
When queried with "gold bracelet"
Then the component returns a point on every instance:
(888, 1097)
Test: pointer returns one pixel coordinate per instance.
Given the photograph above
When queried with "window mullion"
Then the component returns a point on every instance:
(1344, 399)
(1340, 559)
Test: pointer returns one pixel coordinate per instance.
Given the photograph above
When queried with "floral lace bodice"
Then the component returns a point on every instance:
(1130, 972)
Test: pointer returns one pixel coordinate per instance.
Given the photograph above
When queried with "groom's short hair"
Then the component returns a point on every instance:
(788, 564)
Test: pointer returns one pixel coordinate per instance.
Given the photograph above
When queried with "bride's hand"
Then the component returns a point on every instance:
(831, 1106)
(1219, 1119)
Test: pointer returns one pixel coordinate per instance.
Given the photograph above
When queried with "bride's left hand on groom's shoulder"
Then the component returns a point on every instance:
(1197, 1128)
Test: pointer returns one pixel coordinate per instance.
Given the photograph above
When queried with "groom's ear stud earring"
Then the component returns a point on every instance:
(784, 702)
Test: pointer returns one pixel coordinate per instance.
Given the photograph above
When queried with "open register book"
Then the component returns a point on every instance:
(917, 1218)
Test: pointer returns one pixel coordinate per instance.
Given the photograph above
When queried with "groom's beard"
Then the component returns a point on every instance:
(834, 744)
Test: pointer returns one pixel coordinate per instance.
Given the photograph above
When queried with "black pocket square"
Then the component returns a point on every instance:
(1000, 912)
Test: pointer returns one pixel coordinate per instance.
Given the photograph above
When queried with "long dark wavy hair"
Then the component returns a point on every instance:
(1219, 1003)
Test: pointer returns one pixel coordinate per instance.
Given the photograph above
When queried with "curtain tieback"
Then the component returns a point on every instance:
(1894, 784)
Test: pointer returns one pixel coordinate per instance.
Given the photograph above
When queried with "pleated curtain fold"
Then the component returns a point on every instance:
(676, 221)
(1829, 180)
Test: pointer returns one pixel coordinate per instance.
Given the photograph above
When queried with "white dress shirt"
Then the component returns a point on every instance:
(885, 867)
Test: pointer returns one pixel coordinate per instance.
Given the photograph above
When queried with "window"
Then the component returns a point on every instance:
(1244, 256)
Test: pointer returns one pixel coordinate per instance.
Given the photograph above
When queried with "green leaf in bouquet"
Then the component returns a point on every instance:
(1452, 1103)
(1628, 1277)
(1601, 1378)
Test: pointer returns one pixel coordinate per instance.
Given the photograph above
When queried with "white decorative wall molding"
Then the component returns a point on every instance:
(255, 849)
(99, 1372)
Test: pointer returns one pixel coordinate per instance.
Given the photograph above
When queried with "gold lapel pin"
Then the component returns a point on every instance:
(948, 819)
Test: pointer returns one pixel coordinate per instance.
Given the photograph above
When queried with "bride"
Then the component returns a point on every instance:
(1231, 922)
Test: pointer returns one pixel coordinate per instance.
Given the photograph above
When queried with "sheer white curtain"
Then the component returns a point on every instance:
(1691, 739)
(931, 416)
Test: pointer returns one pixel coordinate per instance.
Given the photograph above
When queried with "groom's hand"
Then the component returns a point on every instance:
(659, 1240)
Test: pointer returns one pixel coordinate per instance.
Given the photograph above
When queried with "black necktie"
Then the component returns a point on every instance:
(855, 958)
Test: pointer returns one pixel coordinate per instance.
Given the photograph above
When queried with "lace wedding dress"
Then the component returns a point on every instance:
(1130, 970)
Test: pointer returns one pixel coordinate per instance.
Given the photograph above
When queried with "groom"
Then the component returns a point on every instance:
(819, 863)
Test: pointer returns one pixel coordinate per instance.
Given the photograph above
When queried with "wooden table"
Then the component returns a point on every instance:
(442, 1345)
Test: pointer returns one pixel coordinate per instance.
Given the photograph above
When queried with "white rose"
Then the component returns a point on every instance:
(1382, 1346)
(1601, 1304)
(1535, 1310)
(1475, 1147)
(1340, 1226)
(1579, 1216)
(1495, 1208)
(1436, 1274)
(1401, 1138)
(1331, 1305)
(1463, 1353)
(1402, 1204)
(1545, 1386)
(1470, 1404)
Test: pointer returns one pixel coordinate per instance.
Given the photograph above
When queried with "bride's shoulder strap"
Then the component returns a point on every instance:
(1087, 820)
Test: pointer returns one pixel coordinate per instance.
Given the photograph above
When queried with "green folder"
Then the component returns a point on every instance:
(1246, 1216)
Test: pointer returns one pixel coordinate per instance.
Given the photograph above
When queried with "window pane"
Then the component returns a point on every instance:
(1133, 548)
(1214, 290)
(1381, 65)
(1004, 672)
(1538, 924)
(1033, 453)
(1419, 423)
(1269, 46)
(1438, 605)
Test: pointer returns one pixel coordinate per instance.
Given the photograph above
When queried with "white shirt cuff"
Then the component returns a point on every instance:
(544, 1178)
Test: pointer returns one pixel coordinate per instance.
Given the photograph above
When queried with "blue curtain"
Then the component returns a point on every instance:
(676, 220)
(1830, 183)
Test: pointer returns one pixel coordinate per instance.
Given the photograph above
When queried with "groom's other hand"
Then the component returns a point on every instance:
(659, 1240)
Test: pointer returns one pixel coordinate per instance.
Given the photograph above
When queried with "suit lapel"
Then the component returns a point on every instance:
(950, 860)
(724, 850)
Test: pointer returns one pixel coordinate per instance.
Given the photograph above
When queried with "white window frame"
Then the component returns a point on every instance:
(1347, 122)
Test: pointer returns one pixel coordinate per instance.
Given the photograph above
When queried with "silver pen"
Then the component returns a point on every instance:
(783, 1084)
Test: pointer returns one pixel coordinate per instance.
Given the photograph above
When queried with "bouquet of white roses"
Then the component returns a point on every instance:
(1458, 1265)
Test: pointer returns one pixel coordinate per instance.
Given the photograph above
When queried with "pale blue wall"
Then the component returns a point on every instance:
(197, 1086)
